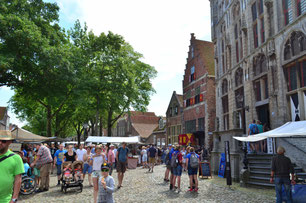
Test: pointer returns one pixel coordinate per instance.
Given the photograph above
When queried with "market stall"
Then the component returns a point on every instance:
(24, 136)
(98, 139)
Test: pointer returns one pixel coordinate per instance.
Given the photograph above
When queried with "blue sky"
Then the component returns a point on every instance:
(158, 29)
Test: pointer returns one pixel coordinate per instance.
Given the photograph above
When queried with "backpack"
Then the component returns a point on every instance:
(194, 162)
(174, 160)
(167, 159)
(254, 129)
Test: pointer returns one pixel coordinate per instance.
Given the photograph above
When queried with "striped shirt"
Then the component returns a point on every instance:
(45, 156)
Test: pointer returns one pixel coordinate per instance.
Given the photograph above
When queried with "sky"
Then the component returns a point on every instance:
(159, 29)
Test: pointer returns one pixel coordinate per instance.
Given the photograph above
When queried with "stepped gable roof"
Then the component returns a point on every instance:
(2, 112)
(207, 55)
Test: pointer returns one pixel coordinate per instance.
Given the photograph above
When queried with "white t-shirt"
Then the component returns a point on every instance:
(80, 153)
(97, 163)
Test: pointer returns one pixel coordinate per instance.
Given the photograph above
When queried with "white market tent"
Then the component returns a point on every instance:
(297, 128)
(22, 135)
(99, 139)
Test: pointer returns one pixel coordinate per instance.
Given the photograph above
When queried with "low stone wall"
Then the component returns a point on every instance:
(236, 153)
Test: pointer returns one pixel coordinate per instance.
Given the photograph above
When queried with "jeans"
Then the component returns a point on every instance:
(278, 189)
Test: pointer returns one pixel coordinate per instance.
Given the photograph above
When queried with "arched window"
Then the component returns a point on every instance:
(224, 86)
(239, 77)
(294, 45)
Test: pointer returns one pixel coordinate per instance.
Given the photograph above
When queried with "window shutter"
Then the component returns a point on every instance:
(201, 97)
(184, 103)
(194, 76)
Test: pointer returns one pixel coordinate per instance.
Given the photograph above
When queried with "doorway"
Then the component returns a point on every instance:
(263, 114)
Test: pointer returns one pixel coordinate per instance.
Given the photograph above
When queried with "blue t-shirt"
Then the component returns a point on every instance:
(170, 153)
(122, 154)
(152, 151)
(26, 168)
(59, 154)
(25, 154)
(189, 155)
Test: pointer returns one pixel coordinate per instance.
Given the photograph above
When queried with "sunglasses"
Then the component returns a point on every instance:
(105, 170)
(3, 141)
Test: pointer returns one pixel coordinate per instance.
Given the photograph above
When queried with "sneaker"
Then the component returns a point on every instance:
(196, 190)
(178, 191)
(149, 169)
(39, 190)
(171, 186)
(190, 190)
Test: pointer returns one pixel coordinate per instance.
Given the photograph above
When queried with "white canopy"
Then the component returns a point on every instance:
(297, 128)
(134, 139)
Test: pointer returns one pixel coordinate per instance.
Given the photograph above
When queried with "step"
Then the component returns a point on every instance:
(261, 167)
(260, 178)
(260, 172)
(260, 184)
(260, 158)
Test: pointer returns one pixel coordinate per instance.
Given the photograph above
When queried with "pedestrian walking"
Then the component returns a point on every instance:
(80, 152)
(152, 157)
(52, 151)
(184, 154)
(280, 174)
(192, 161)
(44, 163)
(70, 155)
(106, 185)
(122, 156)
(96, 161)
(87, 167)
(58, 161)
(144, 157)
(111, 158)
(11, 168)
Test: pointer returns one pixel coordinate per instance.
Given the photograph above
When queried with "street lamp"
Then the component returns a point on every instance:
(85, 126)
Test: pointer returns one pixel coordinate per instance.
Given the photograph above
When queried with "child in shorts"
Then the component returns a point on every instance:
(78, 175)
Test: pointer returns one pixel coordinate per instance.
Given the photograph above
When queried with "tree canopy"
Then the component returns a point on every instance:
(63, 80)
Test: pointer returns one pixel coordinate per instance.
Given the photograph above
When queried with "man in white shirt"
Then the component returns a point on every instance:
(80, 152)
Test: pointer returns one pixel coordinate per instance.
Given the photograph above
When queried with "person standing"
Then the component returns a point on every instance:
(43, 161)
(111, 158)
(261, 130)
(80, 152)
(177, 158)
(70, 155)
(152, 157)
(280, 174)
(168, 165)
(106, 185)
(58, 158)
(192, 161)
(122, 157)
(87, 167)
(253, 130)
(11, 168)
(96, 161)
(144, 157)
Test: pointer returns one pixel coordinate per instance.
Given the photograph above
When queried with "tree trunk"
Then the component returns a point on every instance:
(97, 116)
(49, 121)
(101, 127)
(109, 122)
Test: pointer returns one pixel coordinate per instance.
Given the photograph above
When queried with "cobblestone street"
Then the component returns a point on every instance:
(141, 186)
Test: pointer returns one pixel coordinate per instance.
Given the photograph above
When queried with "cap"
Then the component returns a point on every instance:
(105, 166)
(6, 135)
(111, 145)
(169, 145)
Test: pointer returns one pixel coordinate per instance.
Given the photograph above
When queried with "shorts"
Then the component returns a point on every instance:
(144, 158)
(87, 168)
(37, 172)
(192, 171)
(59, 169)
(121, 167)
(168, 167)
(177, 171)
(152, 160)
(96, 174)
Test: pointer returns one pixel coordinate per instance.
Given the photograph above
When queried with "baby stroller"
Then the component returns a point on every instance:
(28, 184)
(69, 181)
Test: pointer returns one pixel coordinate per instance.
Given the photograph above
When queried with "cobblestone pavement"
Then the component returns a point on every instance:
(141, 186)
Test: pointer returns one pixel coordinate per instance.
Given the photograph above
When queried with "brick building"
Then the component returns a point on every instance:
(260, 70)
(174, 116)
(158, 136)
(199, 91)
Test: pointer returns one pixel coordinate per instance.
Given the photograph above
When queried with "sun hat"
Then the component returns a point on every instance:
(6, 135)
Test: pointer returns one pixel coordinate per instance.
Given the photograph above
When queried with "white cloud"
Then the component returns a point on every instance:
(158, 29)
